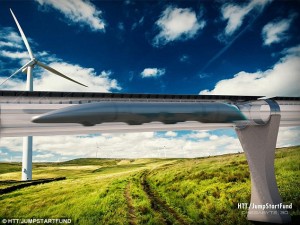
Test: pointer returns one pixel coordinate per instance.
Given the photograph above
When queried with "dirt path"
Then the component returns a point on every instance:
(131, 211)
(159, 205)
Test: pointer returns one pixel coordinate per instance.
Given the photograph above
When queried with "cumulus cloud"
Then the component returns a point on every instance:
(292, 51)
(47, 81)
(152, 72)
(288, 137)
(80, 12)
(235, 14)
(177, 24)
(281, 80)
(9, 38)
(41, 157)
(198, 135)
(95, 82)
(15, 55)
(276, 31)
(11, 46)
(171, 134)
(136, 145)
(128, 145)
(3, 154)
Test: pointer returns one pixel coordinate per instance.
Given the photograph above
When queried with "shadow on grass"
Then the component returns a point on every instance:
(16, 185)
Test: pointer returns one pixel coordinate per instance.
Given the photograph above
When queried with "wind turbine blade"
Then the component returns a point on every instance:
(27, 64)
(57, 73)
(22, 35)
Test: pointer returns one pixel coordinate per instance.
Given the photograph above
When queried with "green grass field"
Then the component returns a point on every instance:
(145, 191)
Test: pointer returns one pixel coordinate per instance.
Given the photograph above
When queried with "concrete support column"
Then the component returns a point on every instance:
(259, 144)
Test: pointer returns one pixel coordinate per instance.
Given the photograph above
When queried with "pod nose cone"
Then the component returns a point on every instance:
(63, 115)
(80, 114)
(48, 118)
(37, 119)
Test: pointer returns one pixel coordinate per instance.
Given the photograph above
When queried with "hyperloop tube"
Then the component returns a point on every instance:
(137, 113)
(259, 112)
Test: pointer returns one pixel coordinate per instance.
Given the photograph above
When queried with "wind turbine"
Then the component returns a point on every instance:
(27, 141)
(97, 148)
(33, 62)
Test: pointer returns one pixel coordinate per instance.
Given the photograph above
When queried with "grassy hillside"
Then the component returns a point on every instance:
(145, 191)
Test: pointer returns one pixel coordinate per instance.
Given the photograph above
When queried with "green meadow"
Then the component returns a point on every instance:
(144, 191)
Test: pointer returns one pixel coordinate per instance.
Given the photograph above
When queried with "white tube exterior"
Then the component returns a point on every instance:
(16, 121)
(259, 112)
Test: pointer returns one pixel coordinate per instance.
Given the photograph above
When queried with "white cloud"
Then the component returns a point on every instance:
(152, 72)
(137, 145)
(10, 38)
(13, 84)
(281, 80)
(288, 137)
(42, 156)
(235, 14)
(292, 51)
(213, 137)
(7, 44)
(170, 134)
(12, 47)
(275, 32)
(128, 145)
(47, 81)
(3, 154)
(80, 12)
(95, 82)
(177, 24)
(15, 55)
(198, 135)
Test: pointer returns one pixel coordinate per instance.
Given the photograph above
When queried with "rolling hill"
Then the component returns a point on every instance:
(143, 191)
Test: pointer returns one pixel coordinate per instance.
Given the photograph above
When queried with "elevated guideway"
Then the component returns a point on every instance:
(17, 108)
(255, 119)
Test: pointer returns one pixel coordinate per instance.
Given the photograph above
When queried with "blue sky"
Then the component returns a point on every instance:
(179, 47)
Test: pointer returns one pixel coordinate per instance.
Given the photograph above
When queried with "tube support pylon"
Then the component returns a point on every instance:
(259, 144)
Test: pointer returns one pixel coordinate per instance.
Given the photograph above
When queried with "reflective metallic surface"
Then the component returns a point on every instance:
(259, 112)
(17, 108)
(138, 113)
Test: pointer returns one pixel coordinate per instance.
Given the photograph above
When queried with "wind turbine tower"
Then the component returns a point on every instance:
(28, 67)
